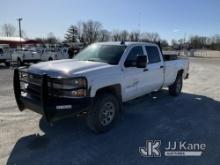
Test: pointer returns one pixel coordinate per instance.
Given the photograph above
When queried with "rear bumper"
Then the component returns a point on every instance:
(53, 108)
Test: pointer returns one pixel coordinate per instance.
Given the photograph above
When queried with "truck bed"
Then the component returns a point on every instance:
(172, 64)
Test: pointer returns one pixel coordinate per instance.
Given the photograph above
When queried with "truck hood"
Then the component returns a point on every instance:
(65, 68)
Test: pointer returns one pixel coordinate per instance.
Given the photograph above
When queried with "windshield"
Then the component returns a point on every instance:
(110, 54)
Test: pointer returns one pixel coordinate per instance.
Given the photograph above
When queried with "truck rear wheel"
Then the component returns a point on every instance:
(176, 87)
(104, 113)
(19, 62)
(7, 64)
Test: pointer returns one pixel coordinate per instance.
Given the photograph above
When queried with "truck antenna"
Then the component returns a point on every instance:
(159, 44)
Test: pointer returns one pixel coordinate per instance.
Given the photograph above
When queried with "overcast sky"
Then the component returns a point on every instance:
(170, 18)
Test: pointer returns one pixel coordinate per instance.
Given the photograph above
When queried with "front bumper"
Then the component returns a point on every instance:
(53, 108)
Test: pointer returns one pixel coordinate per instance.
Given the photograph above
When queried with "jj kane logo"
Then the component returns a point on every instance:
(152, 149)
(175, 148)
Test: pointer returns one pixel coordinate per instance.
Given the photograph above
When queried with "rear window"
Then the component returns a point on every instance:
(153, 54)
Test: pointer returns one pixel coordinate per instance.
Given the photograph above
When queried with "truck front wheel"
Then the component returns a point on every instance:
(176, 87)
(104, 113)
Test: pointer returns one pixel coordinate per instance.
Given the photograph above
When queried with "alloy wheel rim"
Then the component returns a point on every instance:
(107, 113)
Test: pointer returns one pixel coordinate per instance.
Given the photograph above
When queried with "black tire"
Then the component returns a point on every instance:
(19, 62)
(176, 87)
(7, 64)
(98, 118)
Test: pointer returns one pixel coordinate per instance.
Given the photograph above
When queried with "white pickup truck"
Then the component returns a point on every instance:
(97, 81)
(49, 54)
(26, 55)
(5, 54)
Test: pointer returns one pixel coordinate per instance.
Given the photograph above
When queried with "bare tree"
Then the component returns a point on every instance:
(134, 36)
(80, 31)
(8, 30)
(164, 43)
(124, 35)
(116, 35)
(198, 42)
(152, 37)
(104, 35)
(91, 30)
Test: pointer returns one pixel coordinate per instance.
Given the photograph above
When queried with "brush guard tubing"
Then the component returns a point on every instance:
(17, 89)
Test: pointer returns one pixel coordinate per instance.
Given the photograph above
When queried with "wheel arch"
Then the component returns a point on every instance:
(180, 72)
(114, 89)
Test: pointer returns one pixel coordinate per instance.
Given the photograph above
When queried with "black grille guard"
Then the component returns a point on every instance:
(18, 90)
(42, 99)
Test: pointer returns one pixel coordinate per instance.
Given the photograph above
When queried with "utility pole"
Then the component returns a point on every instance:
(19, 23)
(139, 25)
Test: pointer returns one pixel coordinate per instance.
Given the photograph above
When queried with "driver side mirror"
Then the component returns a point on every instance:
(141, 61)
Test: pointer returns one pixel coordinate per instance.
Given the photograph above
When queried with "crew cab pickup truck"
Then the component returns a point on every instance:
(97, 81)
(26, 55)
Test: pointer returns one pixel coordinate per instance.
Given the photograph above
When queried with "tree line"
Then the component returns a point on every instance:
(93, 31)
(198, 42)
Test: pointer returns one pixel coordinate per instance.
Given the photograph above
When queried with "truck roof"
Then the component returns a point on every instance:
(127, 43)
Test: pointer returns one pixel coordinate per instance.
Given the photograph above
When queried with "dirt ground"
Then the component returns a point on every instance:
(194, 116)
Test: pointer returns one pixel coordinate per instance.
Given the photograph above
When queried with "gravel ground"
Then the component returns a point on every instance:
(194, 116)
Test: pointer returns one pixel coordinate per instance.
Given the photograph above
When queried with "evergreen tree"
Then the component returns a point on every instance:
(72, 34)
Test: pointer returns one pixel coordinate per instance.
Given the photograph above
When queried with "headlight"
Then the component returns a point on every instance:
(70, 83)
(76, 87)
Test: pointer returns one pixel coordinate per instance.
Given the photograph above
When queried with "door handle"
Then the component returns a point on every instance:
(161, 66)
(145, 70)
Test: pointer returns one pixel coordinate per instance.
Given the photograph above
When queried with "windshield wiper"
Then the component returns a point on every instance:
(96, 60)
(92, 60)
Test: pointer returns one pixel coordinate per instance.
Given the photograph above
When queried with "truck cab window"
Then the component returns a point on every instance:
(132, 56)
(153, 54)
